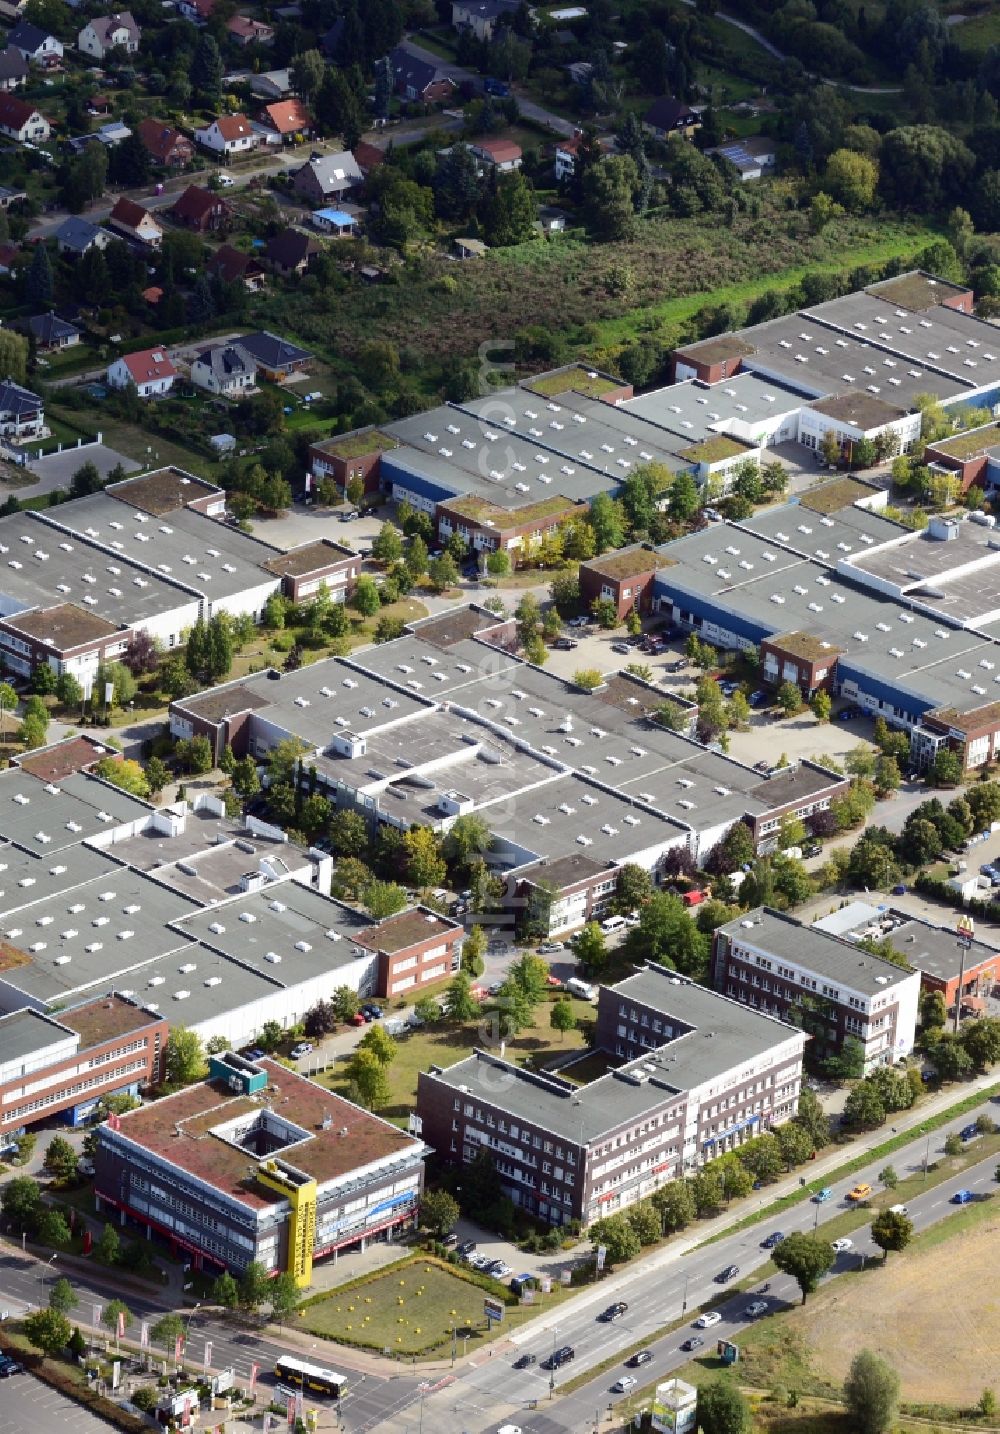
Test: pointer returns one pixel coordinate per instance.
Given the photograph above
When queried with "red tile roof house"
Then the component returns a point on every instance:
(287, 118)
(21, 121)
(166, 146)
(249, 32)
(228, 134)
(234, 267)
(150, 370)
(502, 154)
(201, 210)
(137, 223)
(368, 156)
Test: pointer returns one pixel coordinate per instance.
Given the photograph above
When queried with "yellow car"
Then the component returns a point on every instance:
(860, 1192)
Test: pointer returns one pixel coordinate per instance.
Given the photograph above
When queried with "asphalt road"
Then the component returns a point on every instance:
(657, 1297)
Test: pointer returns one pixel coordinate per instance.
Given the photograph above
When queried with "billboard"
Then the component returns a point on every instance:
(494, 1309)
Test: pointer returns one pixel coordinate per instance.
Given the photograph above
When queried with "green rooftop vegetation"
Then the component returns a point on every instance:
(357, 445)
(714, 450)
(971, 443)
(581, 379)
(479, 510)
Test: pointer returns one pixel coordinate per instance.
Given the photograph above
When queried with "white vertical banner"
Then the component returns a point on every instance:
(144, 1335)
(98, 1310)
(208, 1355)
(602, 1255)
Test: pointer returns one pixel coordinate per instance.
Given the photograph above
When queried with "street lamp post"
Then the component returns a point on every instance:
(552, 1368)
(684, 1301)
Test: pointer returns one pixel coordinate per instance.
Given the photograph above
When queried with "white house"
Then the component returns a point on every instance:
(226, 369)
(109, 32)
(21, 121)
(137, 223)
(36, 44)
(150, 370)
(229, 134)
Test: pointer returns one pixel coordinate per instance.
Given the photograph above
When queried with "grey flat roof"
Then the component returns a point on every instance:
(694, 410)
(828, 956)
(713, 1038)
(933, 949)
(62, 574)
(79, 808)
(217, 984)
(441, 672)
(24, 1033)
(211, 557)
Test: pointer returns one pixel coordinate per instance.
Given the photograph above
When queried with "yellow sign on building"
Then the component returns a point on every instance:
(302, 1197)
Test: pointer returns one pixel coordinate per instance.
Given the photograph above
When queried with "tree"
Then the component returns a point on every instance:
(794, 1142)
(851, 179)
(21, 1202)
(675, 1205)
(667, 933)
(422, 854)
(708, 1190)
(284, 1295)
(590, 946)
(609, 189)
(821, 705)
(111, 1312)
(763, 1157)
(722, 1407)
(439, 1212)
(459, 1002)
(607, 522)
(62, 1296)
(864, 1108)
(807, 1258)
(185, 1058)
(871, 1393)
(946, 769)
(48, 1330)
(225, 1291)
(508, 215)
(387, 545)
(383, 898)
(981, 1042)
(108, 1246)
(789, 698)
(891, 1230)
(473, 952)
(254, 1287)
(457, 185)
(933, 1010)
(562, 1017)
(13, 355)
(207, 70)
(813, 1119)
(366, 598)
(368, 1079)
(382, 1046)
(38, 285)
(306, 74)
(588, 678)
(166, 1331)
(620, 1241)
(345, 1003)
(124, 773)
(60, 1160)
(633, 887)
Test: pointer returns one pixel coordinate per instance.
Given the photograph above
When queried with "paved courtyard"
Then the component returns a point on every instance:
(56, 470)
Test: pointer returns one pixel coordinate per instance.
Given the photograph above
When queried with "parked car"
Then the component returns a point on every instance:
(969, 1132)
(762, 767)
(693, 1342)
(840, 1246)
(254, 1054)
(566, 644)
(9, 1367)
(372, 1012)
(524, 1361)
(962, 1197)
(823, 1195)
(581, 621)
(549, 948)
(641, 1357)
(677, 666)
(613, 1312)
(449, 1240)
(861, 1191)
(755, 1309)
(621, 647)
(467, 1247)
(813, 848)
(706, 1320)
(898, 1209)
(358, 1019)
(758, 698)
(302, 1049)
(899, 889)
(729, 1273)
(623, 1384)
(775, 1238)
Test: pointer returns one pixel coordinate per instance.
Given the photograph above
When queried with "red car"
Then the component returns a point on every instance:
(358, 1020)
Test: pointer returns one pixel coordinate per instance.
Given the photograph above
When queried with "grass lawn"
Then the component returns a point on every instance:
(444, 1044)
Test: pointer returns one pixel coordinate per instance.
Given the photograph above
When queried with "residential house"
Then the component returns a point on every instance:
(201, 210)
(150, 370)
(109, 32)
(136, 223)
(36, 45)
(226, 369)
(166, 145)
(334, 221)
(291, 252)
(232, 266)
(480, 17)
(468, 248)
(21, 121)
(328, 176)
(275, 358)
(228, 135)
(287, 118)
(11, 196)
(13, 68)
(752, 157)
(667, 118)
(417, 79)
(8, 258)
(76, 236)
(503, 155)
(50, 332)
(12, 10)
(271, 84)
(197, 11)
(249, 32)
(22, 413)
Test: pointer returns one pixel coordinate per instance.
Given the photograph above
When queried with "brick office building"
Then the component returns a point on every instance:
(701, 1075)
(414, 948)
(799, 657)
(258, 1164)
(833, 988)
(352, 455)
(64, 1065)
(624, 577)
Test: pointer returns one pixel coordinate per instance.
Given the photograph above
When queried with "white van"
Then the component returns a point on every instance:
(613, 924)
(583, 989)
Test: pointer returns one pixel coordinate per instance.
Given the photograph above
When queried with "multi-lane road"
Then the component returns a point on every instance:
(495, 1393)
(486, 1391)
